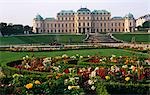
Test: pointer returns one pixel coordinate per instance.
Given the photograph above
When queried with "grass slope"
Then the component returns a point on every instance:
(138, 37)
(38, 39)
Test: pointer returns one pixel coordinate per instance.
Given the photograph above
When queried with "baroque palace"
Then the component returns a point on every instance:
(84, 21)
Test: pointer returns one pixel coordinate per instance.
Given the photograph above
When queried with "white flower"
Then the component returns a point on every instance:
(65, 81)
(113, 55)
(111, 58)
(69, 87)
(81, 57)
(64, 56)
(88, 55)
(23, 58)
(89, 69)
(93, 74)
(96, 68)
(93, 87)
(71, 79)
(27, 56)
(100, 60)
(125, 66)
(90, 82)
(132, 67)
(27, 66)
(73, 57)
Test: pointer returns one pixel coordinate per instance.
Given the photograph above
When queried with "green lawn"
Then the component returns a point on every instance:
(145, 37)
(40, 39)
(6, 56)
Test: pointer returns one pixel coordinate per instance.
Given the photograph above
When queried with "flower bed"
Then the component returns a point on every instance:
(65, 75)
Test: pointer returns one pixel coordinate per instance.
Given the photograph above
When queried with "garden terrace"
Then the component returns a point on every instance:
(86, 71)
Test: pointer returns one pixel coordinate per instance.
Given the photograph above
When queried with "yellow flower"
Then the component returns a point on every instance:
(37, 82)
(29, 86)
(107, 77)
(127, 78)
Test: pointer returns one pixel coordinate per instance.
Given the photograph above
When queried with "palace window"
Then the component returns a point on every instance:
(47, 25)
(79, 24)
(119, 24)
(87, 24)
(101, 24)
(104, 18)
(55, 25)
(115, 24)
(83, 24)
(104, 24)
(73, 24)
(123, 24)
(112, 24)
(66, 25)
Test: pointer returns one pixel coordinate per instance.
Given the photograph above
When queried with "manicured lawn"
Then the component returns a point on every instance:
(138, 37)
(6, 56)
(42, 39)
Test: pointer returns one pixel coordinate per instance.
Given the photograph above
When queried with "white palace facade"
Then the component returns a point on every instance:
(83, 21)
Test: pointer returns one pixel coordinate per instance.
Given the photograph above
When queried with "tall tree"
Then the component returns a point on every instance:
(146, 24)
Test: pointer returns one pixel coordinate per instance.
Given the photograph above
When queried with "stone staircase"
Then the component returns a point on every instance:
(101, 38)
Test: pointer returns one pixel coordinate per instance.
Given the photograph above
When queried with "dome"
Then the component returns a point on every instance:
(38, 17)
(83, 10)
(130, 16)
(100, 12)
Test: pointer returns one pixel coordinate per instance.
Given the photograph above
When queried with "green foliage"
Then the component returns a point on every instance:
(41, 39)
(128, 37)
(101, 88)
(146, 24)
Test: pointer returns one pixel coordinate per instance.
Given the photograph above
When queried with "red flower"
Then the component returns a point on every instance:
(66, 71)
(123, 71)
(101, 72)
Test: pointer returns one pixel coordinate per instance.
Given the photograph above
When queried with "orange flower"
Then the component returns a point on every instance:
(37, 82)
(29, 86)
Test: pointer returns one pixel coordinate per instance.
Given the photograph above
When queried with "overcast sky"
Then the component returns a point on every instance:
(23, 11)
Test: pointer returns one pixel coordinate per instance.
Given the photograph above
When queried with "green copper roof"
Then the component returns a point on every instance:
(50, 18)
(130, 16)
(38, 17)
(66, 12)
(100, 12)
(117, 17)
(83, 11)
